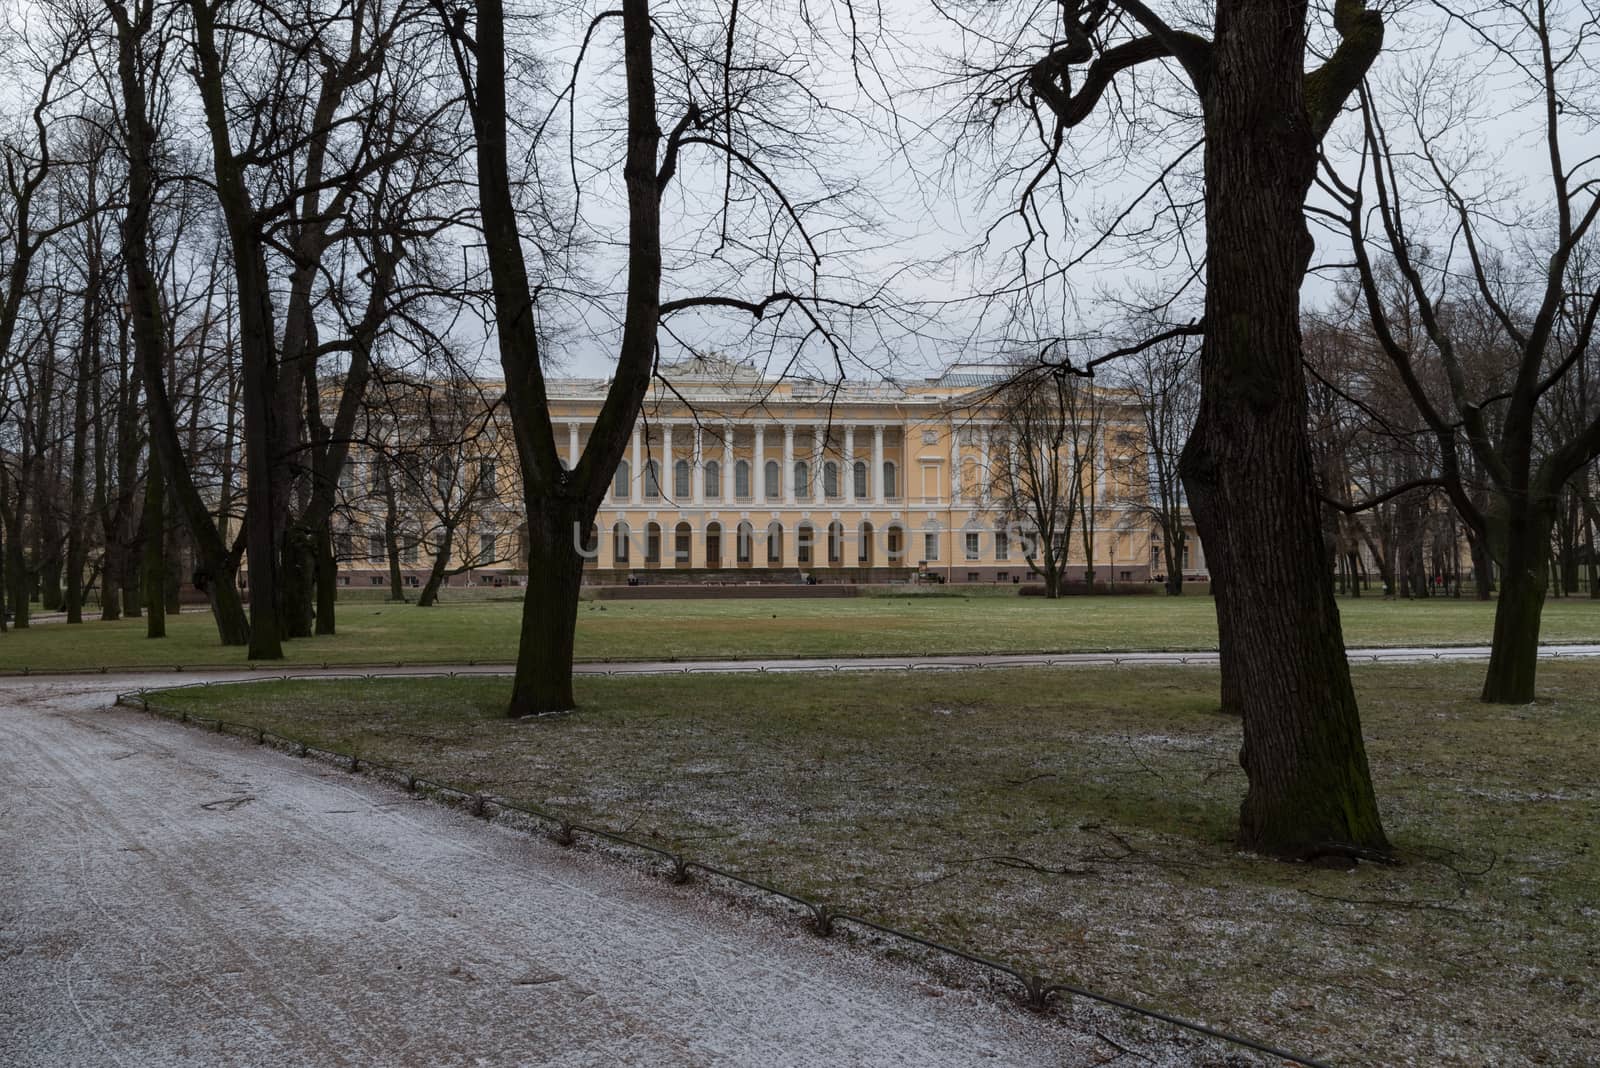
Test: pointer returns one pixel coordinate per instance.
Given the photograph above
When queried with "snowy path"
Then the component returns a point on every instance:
(172, 898)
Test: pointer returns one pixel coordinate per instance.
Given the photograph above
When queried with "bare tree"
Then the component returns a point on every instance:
(1163, 381)
(1046, 473)
(1247, 467)
(728, 97)
(1494, 351)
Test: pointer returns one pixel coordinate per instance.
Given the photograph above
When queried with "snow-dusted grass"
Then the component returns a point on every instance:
(1080, 823)
(956, 622)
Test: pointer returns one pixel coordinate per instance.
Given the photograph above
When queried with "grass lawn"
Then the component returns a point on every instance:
(375, 632)
(1080, 823)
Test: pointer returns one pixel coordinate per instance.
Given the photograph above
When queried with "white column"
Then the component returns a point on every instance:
(726, 481)
(699, 473)
(875, 476)
(1098, 457)
(668, 484)
(983, 468)
(638, 464)
(572, 446)
(1012, 470)
(850, 463)
(758, 469)
(955, 464)
(819, 454)
(788, 464)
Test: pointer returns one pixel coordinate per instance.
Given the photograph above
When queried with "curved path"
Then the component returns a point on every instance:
(172, 898)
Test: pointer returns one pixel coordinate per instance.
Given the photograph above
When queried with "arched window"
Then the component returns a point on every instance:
(895, 544)
(741, 479)
(835, 543)
(619, 543)
(680, 480)
(621, 486)
(682, 539)
(774, 488)
(713, 480)
(889, 487)
(743, 539)
(652, 543)
(830, 479)
(804, 537)
(713, 545)
(802, 479)
(652, 480)
(775, 543)
(859, 479)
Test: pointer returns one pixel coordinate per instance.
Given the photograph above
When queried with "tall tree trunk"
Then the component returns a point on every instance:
(111, 582)
(266, 503)
(1248, 465)
(16, 562)
(327, 582)
(172, 570)
(154, 572)
(145, 312)
(1524, 577)
(132, 583)
(78, 494)
(549, 614)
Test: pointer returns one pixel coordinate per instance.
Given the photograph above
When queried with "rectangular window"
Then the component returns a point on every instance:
(1002, 545)
(412, 551)
(488, 551)
(973, 549)
(486, 479)
(652, 544)
(930, 546)
(377, 547)
(345, 545)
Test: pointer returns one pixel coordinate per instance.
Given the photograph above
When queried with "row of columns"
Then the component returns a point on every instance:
(787, 489)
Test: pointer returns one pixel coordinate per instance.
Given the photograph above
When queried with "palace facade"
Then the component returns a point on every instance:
(731, 477)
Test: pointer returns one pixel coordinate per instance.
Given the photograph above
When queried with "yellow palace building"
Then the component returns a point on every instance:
(731, 477)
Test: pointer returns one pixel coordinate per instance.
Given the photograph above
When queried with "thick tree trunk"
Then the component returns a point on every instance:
(50, 598)
(1524, 577)
(543, 682)
(297, 551)
(154, 572)
(1248, 466)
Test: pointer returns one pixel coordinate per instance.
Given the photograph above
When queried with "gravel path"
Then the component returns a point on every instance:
(171, 898)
